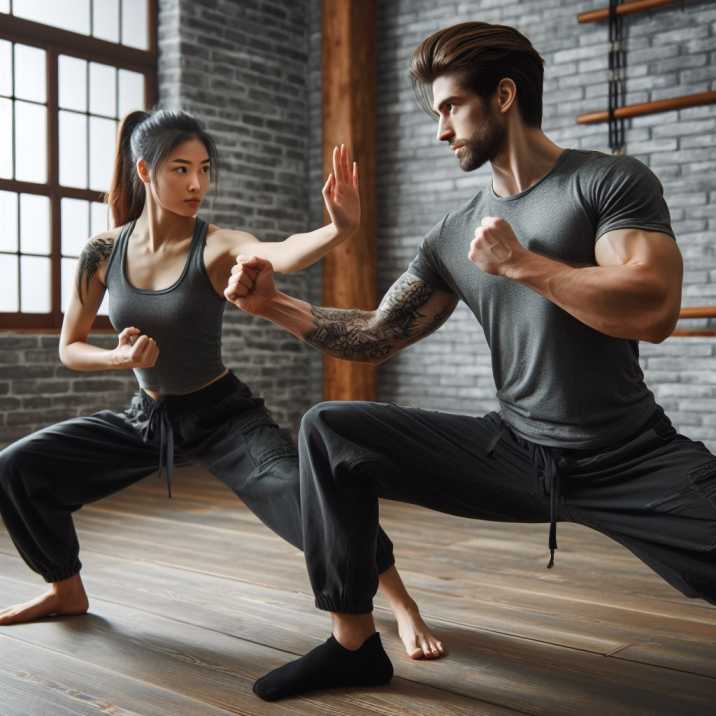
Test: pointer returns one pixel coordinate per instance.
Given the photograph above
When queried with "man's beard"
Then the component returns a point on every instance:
(484, 145)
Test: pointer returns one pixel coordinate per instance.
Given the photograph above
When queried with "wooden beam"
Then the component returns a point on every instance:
(643, 108)
(349, 273)
(625, 9)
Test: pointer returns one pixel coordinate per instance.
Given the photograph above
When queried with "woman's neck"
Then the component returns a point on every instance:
(160, 226)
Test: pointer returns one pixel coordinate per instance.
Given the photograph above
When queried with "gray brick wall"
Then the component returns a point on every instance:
(671, 52)
(241, 67)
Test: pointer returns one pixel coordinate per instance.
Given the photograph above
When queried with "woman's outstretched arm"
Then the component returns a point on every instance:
(342, 199)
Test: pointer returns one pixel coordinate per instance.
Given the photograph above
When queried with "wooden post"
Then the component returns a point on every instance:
(349, 272)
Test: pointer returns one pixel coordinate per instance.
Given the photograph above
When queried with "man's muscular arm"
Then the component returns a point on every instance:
(410, 310)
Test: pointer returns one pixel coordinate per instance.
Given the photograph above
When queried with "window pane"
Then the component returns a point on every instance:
(8, 219)
(73, 149)
(106, 20)
(102, 141)
(100, 218)
(55, 13)
(69, 266)
(75, 226)
(6, 138)
(131, 91)
(5, 67)
(103, 94)
(34, 224)
(73, 83)
(30, 73)
(30, 142)
(5, 6)
(8, 285)
(134, 24)
(35, 285)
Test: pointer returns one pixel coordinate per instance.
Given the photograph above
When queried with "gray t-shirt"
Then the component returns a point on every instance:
(559, 382)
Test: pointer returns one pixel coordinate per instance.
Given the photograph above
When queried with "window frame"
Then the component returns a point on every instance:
(55, 42)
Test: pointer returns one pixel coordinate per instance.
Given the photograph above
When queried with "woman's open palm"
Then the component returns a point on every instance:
(340, 192)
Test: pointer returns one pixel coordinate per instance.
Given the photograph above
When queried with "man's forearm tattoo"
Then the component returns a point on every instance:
(360, 335)
(92, 256)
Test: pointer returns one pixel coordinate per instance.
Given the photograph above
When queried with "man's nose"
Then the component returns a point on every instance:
(445, 132)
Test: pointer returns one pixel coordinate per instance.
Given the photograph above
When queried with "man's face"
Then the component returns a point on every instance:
(475, 131)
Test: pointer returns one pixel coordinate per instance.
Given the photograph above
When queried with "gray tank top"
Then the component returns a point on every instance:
(184, 319)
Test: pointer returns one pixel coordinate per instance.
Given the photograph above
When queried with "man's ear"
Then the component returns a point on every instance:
(506, 94)
(143, 171)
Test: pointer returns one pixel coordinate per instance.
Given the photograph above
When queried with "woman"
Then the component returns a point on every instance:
(166, 272)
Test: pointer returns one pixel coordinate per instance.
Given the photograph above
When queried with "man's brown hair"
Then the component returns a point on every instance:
(480, 55)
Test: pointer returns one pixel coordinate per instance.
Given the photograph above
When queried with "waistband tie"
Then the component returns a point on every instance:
(550, 475)
(159, 420)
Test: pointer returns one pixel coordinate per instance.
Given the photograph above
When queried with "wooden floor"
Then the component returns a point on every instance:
(192, 599)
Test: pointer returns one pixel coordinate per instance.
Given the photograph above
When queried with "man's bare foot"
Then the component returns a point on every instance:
(419, 641)
(65, 598)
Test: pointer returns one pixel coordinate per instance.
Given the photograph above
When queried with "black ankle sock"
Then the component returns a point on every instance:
(326, 666)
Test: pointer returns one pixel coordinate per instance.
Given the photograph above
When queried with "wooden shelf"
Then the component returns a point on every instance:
(625, 9)
(696, 312)
(663, 105)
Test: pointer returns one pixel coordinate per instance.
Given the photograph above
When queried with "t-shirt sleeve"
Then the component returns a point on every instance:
(628, 195)
(426, 266)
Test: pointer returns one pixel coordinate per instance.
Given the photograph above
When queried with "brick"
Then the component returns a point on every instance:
(12, 342)
(10, 357)
(36, 417)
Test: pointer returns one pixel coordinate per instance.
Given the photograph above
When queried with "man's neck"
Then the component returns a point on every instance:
(529, 154)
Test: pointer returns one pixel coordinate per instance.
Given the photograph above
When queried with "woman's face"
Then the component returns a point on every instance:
(182, 179)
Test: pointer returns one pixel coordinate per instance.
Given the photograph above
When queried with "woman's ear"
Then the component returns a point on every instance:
(143, 171)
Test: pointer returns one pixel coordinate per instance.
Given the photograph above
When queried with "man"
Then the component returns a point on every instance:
(567, 260)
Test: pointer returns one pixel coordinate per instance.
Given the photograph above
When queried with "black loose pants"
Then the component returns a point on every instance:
(46, 476)
(654, 492)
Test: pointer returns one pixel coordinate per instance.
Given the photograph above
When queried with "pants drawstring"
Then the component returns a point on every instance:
(550, 474)
(159, 420)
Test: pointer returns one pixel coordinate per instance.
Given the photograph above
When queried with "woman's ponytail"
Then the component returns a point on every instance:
(126, 194)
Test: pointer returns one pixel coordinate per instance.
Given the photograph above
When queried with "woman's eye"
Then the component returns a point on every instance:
(181, 169)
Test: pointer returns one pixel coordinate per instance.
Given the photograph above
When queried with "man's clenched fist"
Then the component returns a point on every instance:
(495, 248)
(251, 286)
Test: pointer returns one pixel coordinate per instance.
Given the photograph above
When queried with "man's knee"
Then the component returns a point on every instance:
(326, 415)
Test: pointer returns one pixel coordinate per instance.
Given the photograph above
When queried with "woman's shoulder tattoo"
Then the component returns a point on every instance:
(94, 254)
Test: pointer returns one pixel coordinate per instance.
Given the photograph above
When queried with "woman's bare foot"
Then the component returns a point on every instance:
(65, 598)
(419, 641)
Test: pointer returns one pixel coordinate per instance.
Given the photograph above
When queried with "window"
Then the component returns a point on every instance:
(66, 80)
